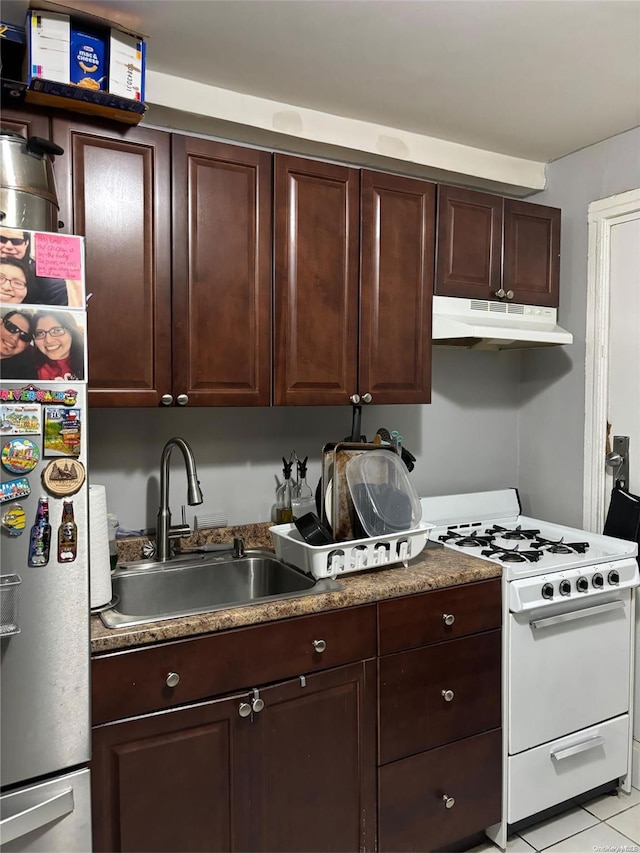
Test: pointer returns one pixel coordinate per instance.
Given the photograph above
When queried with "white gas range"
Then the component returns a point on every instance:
(568, 631)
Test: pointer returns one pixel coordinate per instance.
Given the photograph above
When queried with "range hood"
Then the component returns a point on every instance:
(483, 324)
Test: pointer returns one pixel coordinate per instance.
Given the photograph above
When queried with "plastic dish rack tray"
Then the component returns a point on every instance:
(356, 555)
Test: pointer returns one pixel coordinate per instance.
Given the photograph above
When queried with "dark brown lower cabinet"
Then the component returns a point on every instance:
(297, 775)
(416, 812)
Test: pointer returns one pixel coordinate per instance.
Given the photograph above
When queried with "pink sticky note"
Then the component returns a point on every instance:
(58, 256)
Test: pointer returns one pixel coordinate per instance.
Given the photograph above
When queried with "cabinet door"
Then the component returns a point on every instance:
(396, 287)
(314, 754)
(316, 282)
(113, 188)
(469, 243)
(221, 273)
(27, 123)
(170, 781)
(531, 253)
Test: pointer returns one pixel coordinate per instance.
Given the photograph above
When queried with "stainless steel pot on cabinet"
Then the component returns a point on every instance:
(28, 198)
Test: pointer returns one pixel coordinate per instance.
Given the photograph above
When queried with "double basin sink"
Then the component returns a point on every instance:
(148, 591)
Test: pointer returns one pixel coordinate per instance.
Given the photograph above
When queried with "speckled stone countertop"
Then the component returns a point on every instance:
(435, 568)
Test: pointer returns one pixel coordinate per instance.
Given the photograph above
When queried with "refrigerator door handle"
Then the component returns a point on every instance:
(35, 817)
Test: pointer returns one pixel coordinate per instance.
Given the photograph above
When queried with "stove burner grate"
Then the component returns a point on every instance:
(512, 533)
(512, 555)
(560, 546)
(472, 540)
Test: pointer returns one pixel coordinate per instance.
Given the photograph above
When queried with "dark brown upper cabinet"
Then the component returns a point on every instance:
(180, 310)
(497, 248)
(531, 264)
(26, 123)
(353, 285)
(114, 189)
(469, 243)
(317, 222)
(221, 274)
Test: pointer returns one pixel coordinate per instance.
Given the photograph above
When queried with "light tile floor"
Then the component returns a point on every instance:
(607, 824)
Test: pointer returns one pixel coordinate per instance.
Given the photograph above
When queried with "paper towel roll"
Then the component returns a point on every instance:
(99, 565)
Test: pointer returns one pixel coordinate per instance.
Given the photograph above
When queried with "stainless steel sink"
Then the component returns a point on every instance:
(201, 583)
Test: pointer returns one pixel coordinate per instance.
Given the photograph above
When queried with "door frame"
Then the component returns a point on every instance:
(602, 216)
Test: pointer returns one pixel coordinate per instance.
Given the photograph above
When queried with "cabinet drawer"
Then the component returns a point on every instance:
(419, 619)
(412, 811)
(439, 693)
(133, 682)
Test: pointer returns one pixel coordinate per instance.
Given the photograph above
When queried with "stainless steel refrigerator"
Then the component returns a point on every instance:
(44, 580)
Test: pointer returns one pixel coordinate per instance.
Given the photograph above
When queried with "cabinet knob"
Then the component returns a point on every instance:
(448, 618)
(166, 399)
(245, 709)
(449, 802)
(500, 293)
(447, 695)
(367, 398)
(182, 399)
(173, 679)
(510, 294)
(355, 399)
(319, 646)
(257, 704)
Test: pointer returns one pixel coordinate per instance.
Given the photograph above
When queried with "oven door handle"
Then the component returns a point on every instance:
(576, 614)
(583, 746)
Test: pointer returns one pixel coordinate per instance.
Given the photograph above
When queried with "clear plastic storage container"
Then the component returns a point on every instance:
(382, 493)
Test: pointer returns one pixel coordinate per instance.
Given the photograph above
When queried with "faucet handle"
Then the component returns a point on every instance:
(177, 531)
(184, 516)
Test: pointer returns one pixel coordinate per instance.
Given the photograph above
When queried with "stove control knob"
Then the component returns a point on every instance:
(614, 577)
(547, 590)
(582, 584)
(565, 587)
(597, 580)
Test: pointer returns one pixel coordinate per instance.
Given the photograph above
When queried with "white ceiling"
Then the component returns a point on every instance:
(536, 79)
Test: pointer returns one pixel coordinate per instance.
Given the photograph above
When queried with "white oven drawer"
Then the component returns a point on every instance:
(564, 768)
(569, 668)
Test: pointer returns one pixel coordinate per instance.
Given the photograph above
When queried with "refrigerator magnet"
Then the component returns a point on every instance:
(19, 420)
(62, 478)
(20, 455)
(12, 490)
(62, 431)
(14, 520)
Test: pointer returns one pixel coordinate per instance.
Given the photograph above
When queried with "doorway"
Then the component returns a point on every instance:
(612, 369)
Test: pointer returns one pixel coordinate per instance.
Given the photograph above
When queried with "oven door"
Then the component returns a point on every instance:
(568, 668)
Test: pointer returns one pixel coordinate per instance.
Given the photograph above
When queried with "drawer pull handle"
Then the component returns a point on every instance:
(567, 751)
(319, 646)
(449, 802)
(173, 679)
(245, 709)
(448, 618)
(448, 695)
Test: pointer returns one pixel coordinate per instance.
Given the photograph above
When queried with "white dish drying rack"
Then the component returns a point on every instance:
(356, 555)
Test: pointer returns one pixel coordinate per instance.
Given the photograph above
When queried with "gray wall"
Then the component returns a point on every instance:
(551, 410)
(466, 440)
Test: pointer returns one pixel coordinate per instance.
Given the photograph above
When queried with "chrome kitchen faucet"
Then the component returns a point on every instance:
(164, 531)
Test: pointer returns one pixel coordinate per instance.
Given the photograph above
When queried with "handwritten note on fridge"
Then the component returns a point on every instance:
(58, 256)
